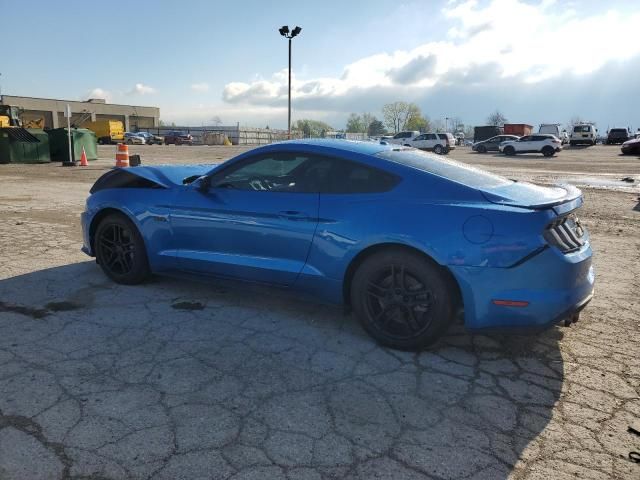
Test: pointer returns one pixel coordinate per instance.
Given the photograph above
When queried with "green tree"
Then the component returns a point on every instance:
(311, 128)
(376, 127)
(419, 123)
(354, 123)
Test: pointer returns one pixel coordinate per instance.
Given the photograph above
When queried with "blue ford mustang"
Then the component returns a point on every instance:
(405, 239)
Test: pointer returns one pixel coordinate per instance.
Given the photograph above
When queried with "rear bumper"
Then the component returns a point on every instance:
(554, 286)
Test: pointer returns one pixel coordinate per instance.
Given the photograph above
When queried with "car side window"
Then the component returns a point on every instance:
(346, 177)
(525, 139)
(431, 136)
(276, 172)
(399, 135)
(420, 137)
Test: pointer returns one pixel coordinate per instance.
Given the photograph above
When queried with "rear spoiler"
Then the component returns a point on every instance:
(570, 201)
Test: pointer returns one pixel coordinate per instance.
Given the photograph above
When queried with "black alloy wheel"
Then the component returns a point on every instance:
(402, 299)
(482, 149)
(120, 250)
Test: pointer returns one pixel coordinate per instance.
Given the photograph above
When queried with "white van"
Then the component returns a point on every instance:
(554, 129)
(584, 133)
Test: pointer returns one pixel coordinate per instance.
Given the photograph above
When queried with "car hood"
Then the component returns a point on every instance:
(169, 175)
(528, 195)
(632, 141)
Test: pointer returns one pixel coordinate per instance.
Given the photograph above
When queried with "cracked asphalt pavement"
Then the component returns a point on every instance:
(176, 379)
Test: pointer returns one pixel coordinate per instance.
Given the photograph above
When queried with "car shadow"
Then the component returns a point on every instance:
(112, 374)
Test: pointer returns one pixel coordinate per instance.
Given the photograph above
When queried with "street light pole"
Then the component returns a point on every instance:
(284, 31)
(289, 116)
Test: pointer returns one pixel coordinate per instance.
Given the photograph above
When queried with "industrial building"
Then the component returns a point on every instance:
(52, 111)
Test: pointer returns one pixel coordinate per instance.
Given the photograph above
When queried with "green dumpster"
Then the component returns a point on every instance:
(80, 137)
(19, 145)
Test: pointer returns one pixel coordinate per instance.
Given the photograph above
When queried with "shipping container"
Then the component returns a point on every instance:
(519, 129)
(486, 131)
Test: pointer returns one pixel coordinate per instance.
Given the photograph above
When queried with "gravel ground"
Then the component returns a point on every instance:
(182, 380)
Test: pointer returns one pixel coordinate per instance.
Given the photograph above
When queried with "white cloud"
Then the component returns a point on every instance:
(200, 87)
(485, 44)
(141, 89)
(97, 93)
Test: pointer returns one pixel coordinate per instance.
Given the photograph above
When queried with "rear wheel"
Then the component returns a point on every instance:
(402, 299)
(509, 150)
(120, 250)
(438, 149)
(548, 151)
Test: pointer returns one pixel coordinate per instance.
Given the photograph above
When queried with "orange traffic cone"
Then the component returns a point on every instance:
(83, 159)
(122, 155)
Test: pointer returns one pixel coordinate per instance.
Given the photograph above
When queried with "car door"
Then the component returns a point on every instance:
(524, 144)
(255, 222)
(419, 141)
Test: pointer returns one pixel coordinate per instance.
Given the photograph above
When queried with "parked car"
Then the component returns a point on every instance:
(402, 237)
(548, 145)
(440, 143)
(631, 147)
(133, 139)
(492, 144)
(554, 129)
(178, 138)
(584, 134)
(617, 136)
(403, 138)
(151, 139)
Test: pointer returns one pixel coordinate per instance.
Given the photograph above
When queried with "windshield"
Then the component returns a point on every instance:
(582, 128)
(450, 169)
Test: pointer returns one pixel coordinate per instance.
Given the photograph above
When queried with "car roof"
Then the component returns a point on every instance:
(365, 148)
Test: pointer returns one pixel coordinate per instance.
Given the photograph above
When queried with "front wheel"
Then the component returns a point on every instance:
(438, 149)
(509, 151)
(120, 250)
(482, 149)
(402, 299)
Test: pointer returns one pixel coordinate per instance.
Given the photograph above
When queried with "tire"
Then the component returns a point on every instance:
(438, 149)
(481, 149)
(129, 142)
(509, 151)
(548, 151)
(100, 141)
(402, 299)
(120, 250)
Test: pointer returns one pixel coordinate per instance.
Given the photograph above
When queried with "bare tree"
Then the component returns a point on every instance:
(216, 120)
(397, 114)
(366, 118)
(497, 119)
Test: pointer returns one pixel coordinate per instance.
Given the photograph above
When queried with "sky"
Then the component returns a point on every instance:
(537, 61)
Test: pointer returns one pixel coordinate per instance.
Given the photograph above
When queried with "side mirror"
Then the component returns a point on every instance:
(203, 184)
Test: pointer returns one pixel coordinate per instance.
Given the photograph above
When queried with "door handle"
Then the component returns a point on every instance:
(293, 215)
